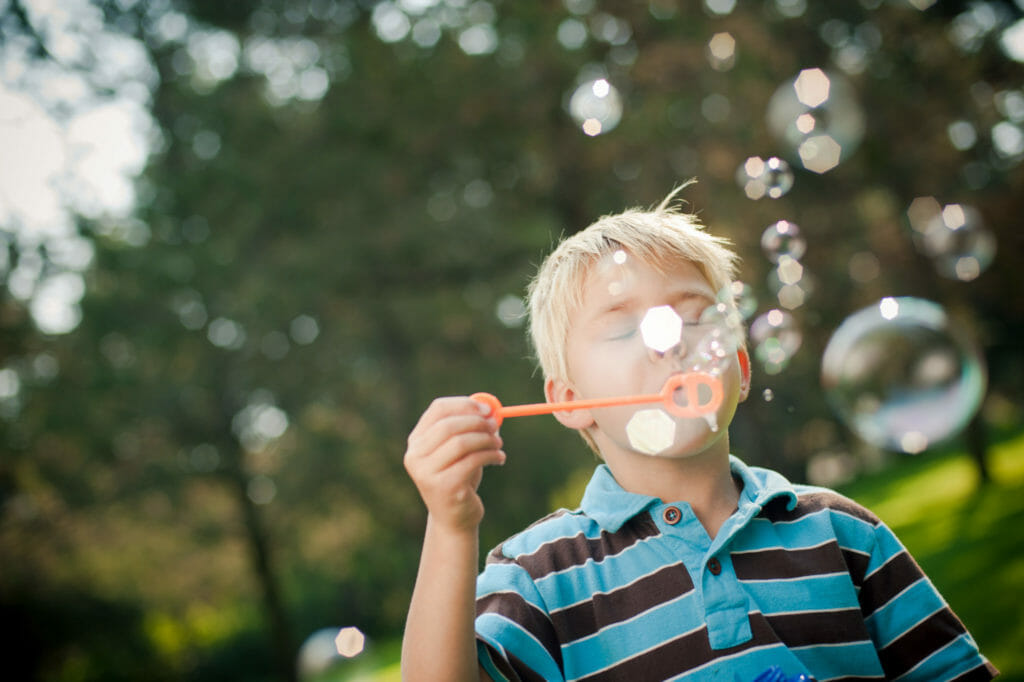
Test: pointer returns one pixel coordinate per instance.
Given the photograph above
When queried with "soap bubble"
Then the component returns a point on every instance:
(758, 177)
(776, 338)
(596, 106)
(782, 238)
(746, 301)
(954, 237)
(900, 375)
(818, 117)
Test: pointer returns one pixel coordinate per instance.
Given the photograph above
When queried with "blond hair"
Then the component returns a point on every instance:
(663, 238)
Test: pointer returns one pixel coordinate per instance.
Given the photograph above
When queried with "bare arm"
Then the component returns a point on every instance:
(447, 451)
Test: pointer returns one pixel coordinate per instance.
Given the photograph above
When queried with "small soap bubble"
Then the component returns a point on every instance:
(958, 242)
(746, 301)
(776, 339)
(596, 106)
(651, 431)
(783, 238)
(901, 376)
(758, 177)
(768, 395)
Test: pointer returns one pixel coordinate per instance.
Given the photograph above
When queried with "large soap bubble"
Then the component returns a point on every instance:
(818, 117)
(900, 376)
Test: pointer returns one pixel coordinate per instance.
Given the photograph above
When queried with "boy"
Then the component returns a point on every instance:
(681, 562)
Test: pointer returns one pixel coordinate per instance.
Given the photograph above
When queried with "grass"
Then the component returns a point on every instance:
(968, 538)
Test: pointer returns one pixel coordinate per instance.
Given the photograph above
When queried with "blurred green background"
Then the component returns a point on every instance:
(246, 243)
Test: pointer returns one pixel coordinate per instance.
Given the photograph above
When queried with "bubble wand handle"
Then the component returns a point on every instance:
(690, 385)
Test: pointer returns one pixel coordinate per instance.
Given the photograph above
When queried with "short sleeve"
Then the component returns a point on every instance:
(917, 635)
(515, 637)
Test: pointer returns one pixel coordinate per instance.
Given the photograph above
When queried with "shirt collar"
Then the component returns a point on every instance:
(611, 506)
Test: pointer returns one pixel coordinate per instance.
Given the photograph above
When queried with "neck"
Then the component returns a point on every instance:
(704, 481)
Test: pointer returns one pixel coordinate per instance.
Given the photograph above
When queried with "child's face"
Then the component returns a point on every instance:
(608, 357)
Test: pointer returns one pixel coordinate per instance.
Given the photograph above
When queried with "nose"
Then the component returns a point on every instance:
(674, 354)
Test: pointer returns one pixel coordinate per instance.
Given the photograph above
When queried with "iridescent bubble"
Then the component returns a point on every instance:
(651, 431)
(783, 238)
(957, 241)
(596, 106)
(776, 338)
(901, 376)
(817, 116)
(746, 301)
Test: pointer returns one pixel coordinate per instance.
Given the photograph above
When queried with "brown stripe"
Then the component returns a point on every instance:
(512, 606)
(916, 644)
(584, 619)
(811, 503)
(820, 627)
(577, 550)
(899, 573)
(683, 654)
(781, 564)
(856, 565)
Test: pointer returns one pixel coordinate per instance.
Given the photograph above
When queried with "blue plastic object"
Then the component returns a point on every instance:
(775, 674)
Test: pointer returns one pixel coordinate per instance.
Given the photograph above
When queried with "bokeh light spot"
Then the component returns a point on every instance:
(661, 328)
(812, 87)
(651, 431)
(596, 106)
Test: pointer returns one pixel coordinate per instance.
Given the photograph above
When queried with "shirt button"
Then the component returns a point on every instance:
(715, 566)
(671, 515)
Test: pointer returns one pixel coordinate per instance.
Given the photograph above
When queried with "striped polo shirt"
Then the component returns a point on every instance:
(630, 588)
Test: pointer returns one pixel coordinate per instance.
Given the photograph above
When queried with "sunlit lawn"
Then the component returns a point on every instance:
(969, 540)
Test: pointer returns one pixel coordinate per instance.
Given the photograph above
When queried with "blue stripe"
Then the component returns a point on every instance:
(854, 659)
(504, 635)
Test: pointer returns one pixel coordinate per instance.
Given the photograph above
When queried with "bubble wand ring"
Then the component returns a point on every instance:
(689, 383)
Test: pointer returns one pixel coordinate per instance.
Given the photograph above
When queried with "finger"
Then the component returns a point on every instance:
(468, 471)
(450, 428)
(442, 408)
(458, 447)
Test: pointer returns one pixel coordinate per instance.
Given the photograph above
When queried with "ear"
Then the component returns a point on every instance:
(744, 360)
(559, 391)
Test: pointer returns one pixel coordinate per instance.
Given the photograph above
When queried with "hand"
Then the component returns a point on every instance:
(447, 451)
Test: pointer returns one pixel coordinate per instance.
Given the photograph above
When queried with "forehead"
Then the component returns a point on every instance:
(619, 274)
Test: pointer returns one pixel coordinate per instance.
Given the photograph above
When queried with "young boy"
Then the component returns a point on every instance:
(681, 563)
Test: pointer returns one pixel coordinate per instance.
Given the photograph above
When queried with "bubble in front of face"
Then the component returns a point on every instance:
(783, 238)
(596, 106)
(651, 431)
(745, 299)
(614, 268)
(956, 239)
(776, 338)
(900, 375)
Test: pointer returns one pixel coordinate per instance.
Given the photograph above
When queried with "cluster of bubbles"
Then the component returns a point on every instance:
(327, 650)
(901, 376)
(896, 373)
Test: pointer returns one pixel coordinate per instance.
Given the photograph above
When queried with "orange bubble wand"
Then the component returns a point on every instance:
(689, 383)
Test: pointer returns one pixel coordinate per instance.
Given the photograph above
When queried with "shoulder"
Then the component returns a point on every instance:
(556, 526)
(814, 500)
